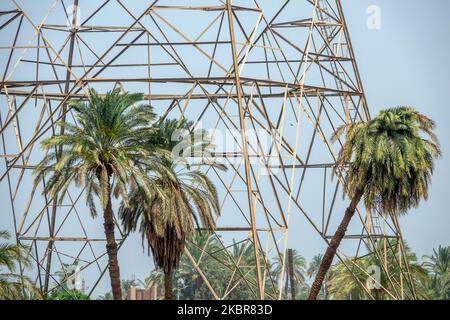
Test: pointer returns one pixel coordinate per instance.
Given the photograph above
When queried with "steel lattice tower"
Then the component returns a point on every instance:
(284, 70)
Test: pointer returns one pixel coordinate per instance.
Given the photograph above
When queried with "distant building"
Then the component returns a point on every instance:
(152, 293)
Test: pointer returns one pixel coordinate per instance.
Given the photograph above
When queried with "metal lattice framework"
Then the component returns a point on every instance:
(284, 70)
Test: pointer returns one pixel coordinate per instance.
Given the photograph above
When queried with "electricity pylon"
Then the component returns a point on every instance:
(272, 80)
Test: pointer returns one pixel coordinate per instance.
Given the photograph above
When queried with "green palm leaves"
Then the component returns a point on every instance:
(106, 142)
(354, 280)
(184, 198)
(13, 285)
(391, 158)
(438, 265)
(390, 163)
(159, 171)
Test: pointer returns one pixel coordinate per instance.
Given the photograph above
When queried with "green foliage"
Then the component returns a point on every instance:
(218, 264)
(108, 141)
(391, 159)
(390, 163)
(312, 270)
(438, 264)
(116, 147)
(345, 281)
(67, 295)
(126, 284)
(300, 271)
(314, 265)
(185, 198)
(245, 282)
(355, 280)
(13, 285)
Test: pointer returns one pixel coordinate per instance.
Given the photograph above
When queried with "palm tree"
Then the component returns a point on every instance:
(346, 278)
(314, 265)
(104, 153)
(391, 162)
(243, 278)
(13, 286)
(218, 264)
(300, 267)
(209, 253)
(439, 261)
(439, 266)
(312, 270)
(188, 199)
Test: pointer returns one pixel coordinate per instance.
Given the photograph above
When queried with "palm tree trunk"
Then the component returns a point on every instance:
(111, 249)
(377, 294)
(326, 287)
(327, 259)
(168, 294)
(291, 274)
(198, 285)
(286, 284)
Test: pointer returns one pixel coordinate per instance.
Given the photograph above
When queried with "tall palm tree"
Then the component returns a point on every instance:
(188, 199)
(13, 286)
(104, 153)
(300, 267)
(391, 162)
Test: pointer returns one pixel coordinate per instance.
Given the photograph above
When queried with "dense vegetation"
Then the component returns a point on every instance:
(431, 274)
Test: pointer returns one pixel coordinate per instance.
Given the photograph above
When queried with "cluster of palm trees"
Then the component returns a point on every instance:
(430, 281)
(431, 275)
(438, 266)
(347, 280)
(118, 148)
(13, 284)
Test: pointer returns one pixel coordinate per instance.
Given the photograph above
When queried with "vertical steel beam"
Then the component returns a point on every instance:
(52, 221)
(245, 151)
